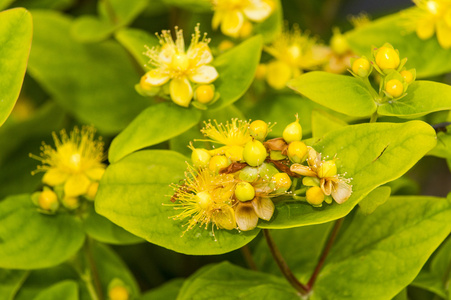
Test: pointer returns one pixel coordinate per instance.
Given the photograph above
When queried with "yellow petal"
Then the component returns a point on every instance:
(257, 10)
(181, 91)
(199, 54)
(326, 186)
(54, 177)
(232, 23)
(166, 53)
(341, 191)
(204, 74)
(76, 185)
(95, 173)
(156, 77)
(302, 170)
(425, 29)
(217, 19)
(263, 207)
(225, 218)
(246, 218)
(444, 34)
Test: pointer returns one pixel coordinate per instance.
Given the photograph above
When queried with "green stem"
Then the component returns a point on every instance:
(94, 279)
(374, 93)
(283, 266)
(110, 12)
(248, 257)
(293, 185)
(373, 118)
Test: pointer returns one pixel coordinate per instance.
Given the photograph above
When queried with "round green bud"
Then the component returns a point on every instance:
(297, 151)
(315, 196)
(281, 182)
(259, 130)
(327, 168)
(200, 158)
(293, 131)
(244, 191)
(254, 153)
(218, 162)
(48, 200)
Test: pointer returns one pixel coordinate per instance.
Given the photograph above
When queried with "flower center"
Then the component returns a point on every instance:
(180, 62)
(204, 200)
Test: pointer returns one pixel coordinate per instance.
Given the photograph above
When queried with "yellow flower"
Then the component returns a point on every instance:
(234, 16)
(76, 162)
(293, 53)
(429, 17)
(178, 68)
(327, 178)
(205, 197)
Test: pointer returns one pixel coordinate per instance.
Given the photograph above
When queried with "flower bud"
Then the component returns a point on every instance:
(118, 292)
(338, 43)
(394, 88)
(327, 168)
(293, 131)
(200, 158)
(387, 58)
(218, 162)
(244, 191)
(71, 202)
(261, 71)
(92, 191)
(407, 75)
(204, 93)
(361, 67)
(259, 130)
(281, 182)
(297, 152)
(254, 153)
(48, 200)
(315, 196)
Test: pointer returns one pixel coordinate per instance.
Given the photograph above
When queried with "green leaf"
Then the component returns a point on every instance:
(15, 40)
(323, 122)
(370, 154)
(31, 240)
(66, 289)
(93, 81)
(10, 282)
(423, 97)
(168, 290)
(344, 94)
(101, 229)
(236, 69)
(132, 193)
(380, 254)
(5, 3)
(134, 41)
(272, 26)
(154, 125)
(45, 4)
(191, 5)
(443, 148)
(226, 281)
(374, 199)
(426, 56)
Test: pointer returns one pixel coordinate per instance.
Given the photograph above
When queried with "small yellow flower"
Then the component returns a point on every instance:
(179, 68)
(429, 17)
(294, 52)
(234, 133)
(234, 16)
(76, 162)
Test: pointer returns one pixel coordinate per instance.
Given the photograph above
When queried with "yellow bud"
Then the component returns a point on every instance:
(278, 73)
(48, 200)
(204, 199)
(407, 75)
(205, 93)
(218, 162)
(387, 58)
(92, 190)
(200, 158)
(293, 131)
(244, 191)
(297, 151)
(118, 293)
(281, 181)
(225, 45)
(394, 88)
(259, 130)
(315, 196)
(261, 71)
(361, 67)
(71, 202)
(339, 44)
(254, 153)
(327, 168)
(246, 30)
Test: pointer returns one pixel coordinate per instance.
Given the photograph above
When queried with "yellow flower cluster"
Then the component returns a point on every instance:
(234, 186)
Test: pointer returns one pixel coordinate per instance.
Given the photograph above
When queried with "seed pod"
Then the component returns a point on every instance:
(327, 169)
(254, 153)
(293, 131)
(361, 67)
(315, 196)
(200, 158)
(297, 151)
(258, 130)
(282, 182)
(244, 191)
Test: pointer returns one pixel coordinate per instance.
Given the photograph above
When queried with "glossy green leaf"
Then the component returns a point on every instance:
(168, 290)
(423, 97)
(272, 26)
(370, 154)
(191, 5)
(443, 148)
(134, 41)
(10, 282)
(374, 199)
(5, 3)
(101, 229)
(132, 193)
(15, 40)
(93, 81)
(236, 69)
(344, 94)
(226, 281)
(380, 254)
(323, 122)
(154, 125)
(113, 14)
(66, 289)
(426, 56)
(31, 240)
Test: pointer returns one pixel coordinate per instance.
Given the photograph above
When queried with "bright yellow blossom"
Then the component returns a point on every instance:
(234, 16)
(178, 68)
(429, 17)
(76, 162)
